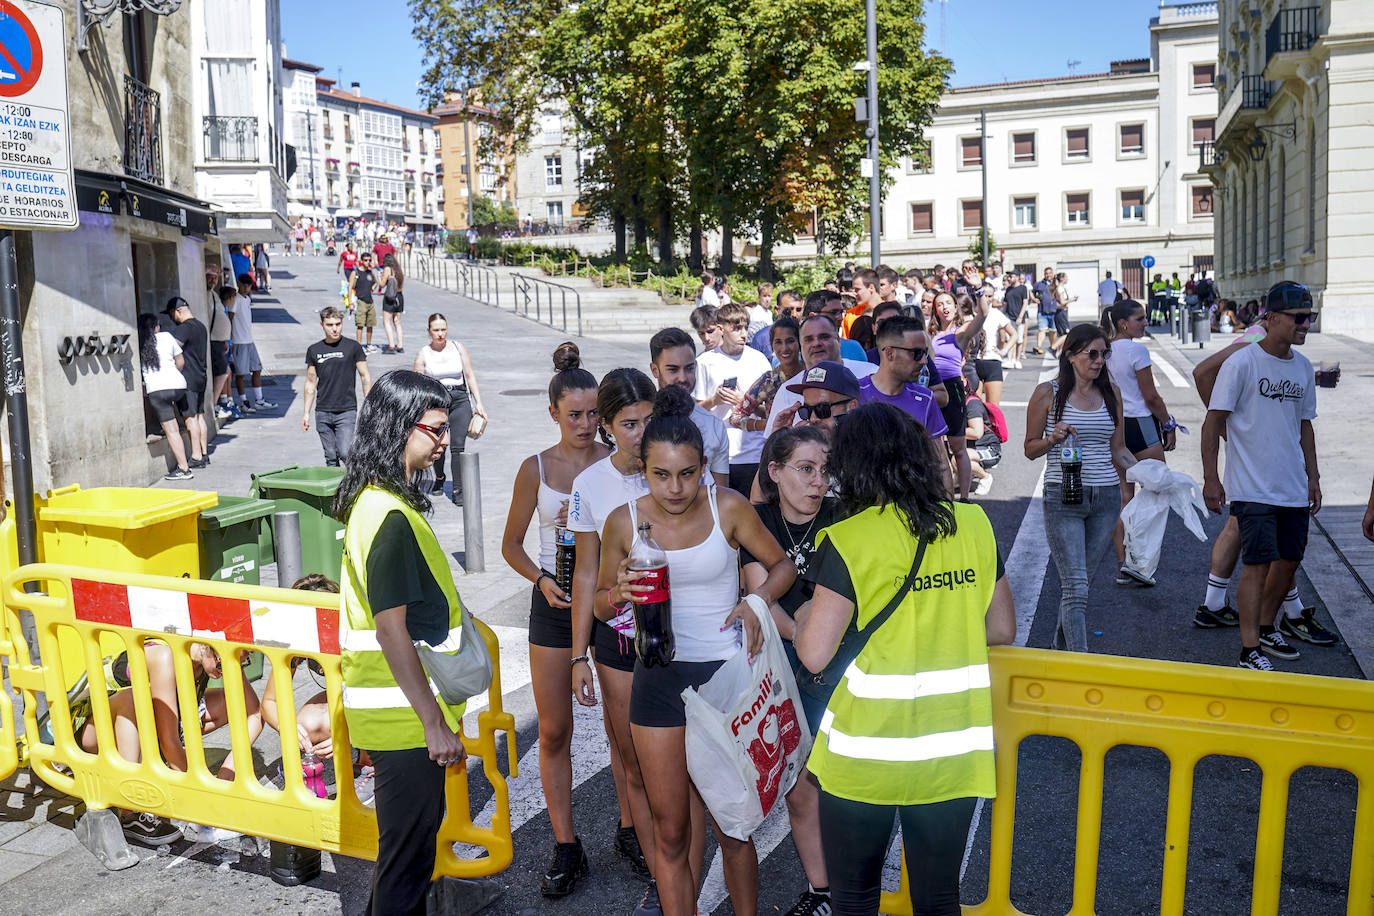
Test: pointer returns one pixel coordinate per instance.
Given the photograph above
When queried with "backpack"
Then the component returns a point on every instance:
(996, 419)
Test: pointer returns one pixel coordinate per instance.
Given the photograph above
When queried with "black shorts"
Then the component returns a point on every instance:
(550, 626)
(219, 358)
(656, 694)
(1061, 321)
(195, 399)
(1269, 533)
(1143, 433)
(168, 404)
(611, 649)
(989, 370)
(955, 411)
(394, 304)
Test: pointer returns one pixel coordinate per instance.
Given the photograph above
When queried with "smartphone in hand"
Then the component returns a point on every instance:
(731, 383)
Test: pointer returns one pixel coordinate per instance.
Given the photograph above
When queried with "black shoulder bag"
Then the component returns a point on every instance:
(822, 684)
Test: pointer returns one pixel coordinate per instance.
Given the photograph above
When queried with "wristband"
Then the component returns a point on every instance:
(1169, 425)
(614, 606)
(542, 576)
(581, 658)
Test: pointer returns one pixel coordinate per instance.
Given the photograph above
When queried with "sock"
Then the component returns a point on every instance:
(257, 393)
(1292, 605)
(823, 891)
(1266, 630)
(1216, 592)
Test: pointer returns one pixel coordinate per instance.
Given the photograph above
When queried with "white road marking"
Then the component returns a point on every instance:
(773, 831)
(1028, 561)
(1175, 378)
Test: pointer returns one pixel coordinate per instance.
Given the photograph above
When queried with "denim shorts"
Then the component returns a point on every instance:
(1044, 322)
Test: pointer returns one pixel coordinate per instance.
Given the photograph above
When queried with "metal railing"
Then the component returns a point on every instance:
(1255, 92)
(1292, 30)
(231, 139)
(532, 297)
(542, 294)
(462, 277)
(142, 131)
(1207, 154)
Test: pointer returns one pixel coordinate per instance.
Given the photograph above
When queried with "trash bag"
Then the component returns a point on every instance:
(746, 741)
(1145, 517)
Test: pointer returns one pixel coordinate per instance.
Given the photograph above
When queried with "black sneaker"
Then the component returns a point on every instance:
(569, 864)
(627, 847)
(1254, 659)
(1273, 643)
(1208, 619)
(811, 904)
(179, 474)
(1307, 628)
(196, 464)
(649, 904)
(150, 830)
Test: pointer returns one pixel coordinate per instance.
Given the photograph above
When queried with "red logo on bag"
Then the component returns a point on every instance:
(779, 734)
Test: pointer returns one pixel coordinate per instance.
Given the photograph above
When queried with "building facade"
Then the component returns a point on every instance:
(303, 123)
(1296, 194)
(548, 173)
(241, 161)
(466, 131)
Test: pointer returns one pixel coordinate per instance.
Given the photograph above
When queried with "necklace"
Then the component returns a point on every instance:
(787, 527)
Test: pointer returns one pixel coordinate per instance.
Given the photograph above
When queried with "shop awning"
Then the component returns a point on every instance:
(98, 192)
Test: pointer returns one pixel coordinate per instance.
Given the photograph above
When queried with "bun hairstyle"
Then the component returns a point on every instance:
(672, 423)
(568, 374)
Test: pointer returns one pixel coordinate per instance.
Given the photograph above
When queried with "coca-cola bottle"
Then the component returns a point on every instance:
(1071, 463)
(564, 558)
(653, 615)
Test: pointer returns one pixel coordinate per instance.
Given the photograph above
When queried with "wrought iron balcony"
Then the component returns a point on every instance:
(1292, 30)
(142, 131)
(1255, 92)
(1207, 154)
(231, 139)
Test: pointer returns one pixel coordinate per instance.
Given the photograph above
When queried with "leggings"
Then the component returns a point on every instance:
(855, 835)
(459, 416)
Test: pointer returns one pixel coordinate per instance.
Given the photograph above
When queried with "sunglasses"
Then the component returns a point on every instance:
(820, 411)
(1095, 354)
(438, 432)
(917, 353)
(1301, 317)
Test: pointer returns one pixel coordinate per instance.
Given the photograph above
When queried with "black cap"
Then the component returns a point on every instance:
(831, 376)
(175, 303)
(1287, 296)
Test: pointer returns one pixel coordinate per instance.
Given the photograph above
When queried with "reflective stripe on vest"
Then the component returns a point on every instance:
(911, 720)
(379, 716)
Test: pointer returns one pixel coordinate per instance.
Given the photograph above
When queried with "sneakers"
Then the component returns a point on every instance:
(365, 786)
(265, 405)
(569, 864)
(649, 904)
(1128, 576)
(150, 830)
(1307, 628)
(196, 464)
(1274, 644)
(811, 904)
(1254, 660)
(246, 407)
(1208, 619)
(983, 486)
(179, 474)
(1018, 365)
(627, 847)
(223, 413)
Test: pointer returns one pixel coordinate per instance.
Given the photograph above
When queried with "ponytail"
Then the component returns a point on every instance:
(1115, 313)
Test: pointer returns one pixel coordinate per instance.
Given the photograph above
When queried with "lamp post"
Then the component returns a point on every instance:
(875, 196)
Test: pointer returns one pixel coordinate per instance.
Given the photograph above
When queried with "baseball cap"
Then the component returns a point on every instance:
(1287, 296)
(831, 376)
(175, 303)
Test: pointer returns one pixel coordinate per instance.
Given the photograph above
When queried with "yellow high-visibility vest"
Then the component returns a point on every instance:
(911, 720)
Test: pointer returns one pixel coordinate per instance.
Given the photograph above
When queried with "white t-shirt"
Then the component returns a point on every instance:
(996, 320)
(785, 399)
(713, 436)
(713, 368)
(707, 296)
(166, 377)
(1129, 357)
(597, 492)
(241, 324)
(759, 313)
(1268, 399)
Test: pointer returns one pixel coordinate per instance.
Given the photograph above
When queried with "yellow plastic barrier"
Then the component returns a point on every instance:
(1282, 722)
(97, 605)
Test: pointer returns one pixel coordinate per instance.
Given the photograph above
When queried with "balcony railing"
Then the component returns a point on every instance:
(1255, 92)
(1207, 154)
(142, 131)
(1292, 30)
(231, 139)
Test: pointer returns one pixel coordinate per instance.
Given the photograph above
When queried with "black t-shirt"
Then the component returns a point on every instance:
(828, 569)
(398, 576)
(977, 410)
(336, 367)
(798, 542)
(363, 281)
(195, 349)
(1014, 302)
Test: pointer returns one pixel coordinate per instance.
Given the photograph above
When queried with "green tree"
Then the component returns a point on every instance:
(975, 247)
(488, 213)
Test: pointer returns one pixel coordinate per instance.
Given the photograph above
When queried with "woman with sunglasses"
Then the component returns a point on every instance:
(1083, 403)
(954, 327)
(624, 403)
(398, 591)
(702, 529)
(544, 485)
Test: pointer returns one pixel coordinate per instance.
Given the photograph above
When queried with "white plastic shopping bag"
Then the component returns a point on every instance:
(746, 739)
(1145, 517)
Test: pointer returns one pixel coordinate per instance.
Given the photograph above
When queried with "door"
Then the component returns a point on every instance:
(1082, 281)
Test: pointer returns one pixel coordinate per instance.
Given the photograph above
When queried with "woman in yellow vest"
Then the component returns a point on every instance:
(908, 728)
(398, 590)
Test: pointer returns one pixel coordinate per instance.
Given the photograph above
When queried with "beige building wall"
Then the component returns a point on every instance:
(464, 166)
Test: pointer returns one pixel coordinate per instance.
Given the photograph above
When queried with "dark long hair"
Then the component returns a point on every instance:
(619, 389)
(147, 342)
(1078, 339)
(568, 374)
(880, 456)
(672, 423)
(779, 448)
(1115, 313)
(395, 404)
(389, 260)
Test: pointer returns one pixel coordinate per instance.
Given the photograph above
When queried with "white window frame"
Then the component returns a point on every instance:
(553, 173)
(911, 230)
(1122, 218)
(1194, 216)
(959, 147)
(1192, 86)
(971, 230)
(1064, 140)
(1193, 145)
(1130, 154)
(1016, 224)
(1069, 221)
(1035, 148)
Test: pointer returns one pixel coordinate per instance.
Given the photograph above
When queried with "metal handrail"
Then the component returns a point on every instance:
(462, 277)
(526, 288)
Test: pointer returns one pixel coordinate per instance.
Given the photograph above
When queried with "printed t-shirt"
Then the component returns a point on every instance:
(798, 542)
(597, 492)
(336, 369)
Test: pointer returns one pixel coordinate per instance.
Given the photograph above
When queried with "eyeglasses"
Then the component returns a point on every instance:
(917, 353)
(807, 470)
(820, 411)
(438, 432)
(1094, 355)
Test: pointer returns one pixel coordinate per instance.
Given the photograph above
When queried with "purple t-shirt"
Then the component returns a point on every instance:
(914, 400)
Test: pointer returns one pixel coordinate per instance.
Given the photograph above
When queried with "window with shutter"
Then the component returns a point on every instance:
(921, 222)
(1023, 148)
(1204, 131)
(1132, 139)
(1133, 206)
(970, 151)
(1076, 142)
(1204, 76)
(1077, 209)
(971, 215)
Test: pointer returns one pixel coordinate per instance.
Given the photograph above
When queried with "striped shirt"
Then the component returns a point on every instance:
(1094, 437)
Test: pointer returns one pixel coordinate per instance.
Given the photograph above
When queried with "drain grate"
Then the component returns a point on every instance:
(521, 392)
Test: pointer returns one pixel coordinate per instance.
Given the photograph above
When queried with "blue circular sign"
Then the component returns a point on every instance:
(1148, 261)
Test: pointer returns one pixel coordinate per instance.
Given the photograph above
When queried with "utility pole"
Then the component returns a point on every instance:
(310, 144)
(983, 158)
(467, 155)
(875, 194)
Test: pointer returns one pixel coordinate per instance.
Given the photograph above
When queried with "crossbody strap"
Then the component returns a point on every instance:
(867, 632)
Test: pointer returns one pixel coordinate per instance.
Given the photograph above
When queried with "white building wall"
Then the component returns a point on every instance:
(541, 201)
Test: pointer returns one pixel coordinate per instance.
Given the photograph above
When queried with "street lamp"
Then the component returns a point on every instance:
(1257, 147)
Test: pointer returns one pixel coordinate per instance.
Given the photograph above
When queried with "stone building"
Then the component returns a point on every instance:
(466, 132)
(549, 174)
(143, 238)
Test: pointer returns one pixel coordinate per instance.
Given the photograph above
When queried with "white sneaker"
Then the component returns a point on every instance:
(1018, 364)
(982, 486)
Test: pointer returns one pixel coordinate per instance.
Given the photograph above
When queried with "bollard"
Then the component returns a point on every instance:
(286, 532)
(474, 558)
(1202, 328)
(1184, 325)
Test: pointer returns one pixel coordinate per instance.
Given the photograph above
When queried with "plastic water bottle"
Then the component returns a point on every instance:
(654, 615)
(565, 558)
(1071, 464)
(312, 768)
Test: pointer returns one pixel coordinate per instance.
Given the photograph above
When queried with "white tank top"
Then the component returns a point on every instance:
(446, 365)
(550, 503)
(704, 584)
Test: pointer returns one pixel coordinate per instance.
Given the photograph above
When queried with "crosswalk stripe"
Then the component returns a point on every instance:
(1175, 378)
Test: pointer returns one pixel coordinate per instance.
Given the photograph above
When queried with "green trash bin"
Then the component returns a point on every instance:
(230, 539)
(310, 493)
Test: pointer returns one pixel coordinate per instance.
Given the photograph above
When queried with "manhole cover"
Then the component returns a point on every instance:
(522, 392)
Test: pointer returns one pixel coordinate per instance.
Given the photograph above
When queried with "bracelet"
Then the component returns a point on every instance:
(1169, 425)
(581, 658)
(542, 576)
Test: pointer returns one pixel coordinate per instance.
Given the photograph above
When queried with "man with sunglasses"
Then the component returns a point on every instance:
(820, 342)
(828, 391)
(902, 351)
(1265, 400)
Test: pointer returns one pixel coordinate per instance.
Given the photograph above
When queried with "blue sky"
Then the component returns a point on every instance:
(989, 41)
